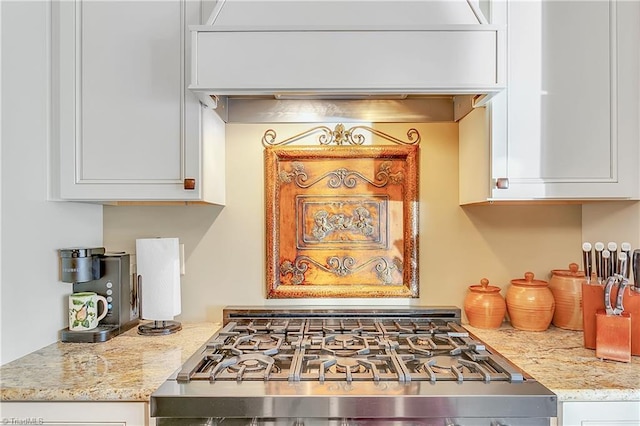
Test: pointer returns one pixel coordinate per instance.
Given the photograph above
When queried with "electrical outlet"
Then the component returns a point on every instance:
(182, 268)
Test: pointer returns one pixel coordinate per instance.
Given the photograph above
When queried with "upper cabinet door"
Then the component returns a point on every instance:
(129, 129)
(567, 127)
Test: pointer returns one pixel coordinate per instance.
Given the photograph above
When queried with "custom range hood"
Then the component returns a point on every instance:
(347, 60)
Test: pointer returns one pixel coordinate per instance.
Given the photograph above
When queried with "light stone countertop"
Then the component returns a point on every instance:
(128, 367)
(558, 359)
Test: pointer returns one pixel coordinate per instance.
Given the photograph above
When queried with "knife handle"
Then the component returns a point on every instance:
(606, 264)
(622, 265)
(599, 247)
(635, 264)
(613, 249)
(626, 249)
(620, 297)
(587, 260)
(607, 295)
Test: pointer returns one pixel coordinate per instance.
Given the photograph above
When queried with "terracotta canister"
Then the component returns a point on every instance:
(484, 306)
(566, 286)
(530, 303)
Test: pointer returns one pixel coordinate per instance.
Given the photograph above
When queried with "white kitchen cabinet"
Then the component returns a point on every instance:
(125, 126)
(605, 413)
(77, 413)
(567, 126)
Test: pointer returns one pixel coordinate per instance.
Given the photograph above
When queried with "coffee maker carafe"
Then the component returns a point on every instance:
(109, 275)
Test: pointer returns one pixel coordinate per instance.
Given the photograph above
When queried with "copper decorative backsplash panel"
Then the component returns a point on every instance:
(342, 221)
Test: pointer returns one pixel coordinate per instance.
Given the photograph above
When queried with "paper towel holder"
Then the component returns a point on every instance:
(155, 327)
(159, 328)
(158, 273)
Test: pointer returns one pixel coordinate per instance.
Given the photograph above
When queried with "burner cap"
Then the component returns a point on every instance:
(343, 364)
(345, 338)
(262, 338)
(423, 341)
(444, 362)
(251, 362)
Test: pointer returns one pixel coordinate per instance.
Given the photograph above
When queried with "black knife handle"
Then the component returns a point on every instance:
(587, 260)
(613, 263)
(635, 265)
(599, 268)
(626, 249)
(606, 264)
(622, 265)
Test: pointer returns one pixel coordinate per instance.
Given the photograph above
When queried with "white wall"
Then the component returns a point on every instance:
(225, 247)
(32, 300)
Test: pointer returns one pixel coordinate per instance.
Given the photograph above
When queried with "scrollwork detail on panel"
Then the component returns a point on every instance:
(341, 267)
(340, 136)
(325, 223)
(297, 270)
(341, 177)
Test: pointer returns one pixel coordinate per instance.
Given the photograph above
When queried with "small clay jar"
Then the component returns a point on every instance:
(566, 286)
(484, 306)
(530, 303)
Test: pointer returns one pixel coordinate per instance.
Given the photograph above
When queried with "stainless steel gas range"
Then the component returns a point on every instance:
(349, 366)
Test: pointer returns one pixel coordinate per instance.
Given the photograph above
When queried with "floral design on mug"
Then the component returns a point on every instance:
(83, 310)
(81, 317)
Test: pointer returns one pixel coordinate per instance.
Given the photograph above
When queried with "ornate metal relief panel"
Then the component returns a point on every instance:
(342, 221)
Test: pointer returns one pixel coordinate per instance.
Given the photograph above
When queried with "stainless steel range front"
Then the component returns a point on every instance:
(349, 366)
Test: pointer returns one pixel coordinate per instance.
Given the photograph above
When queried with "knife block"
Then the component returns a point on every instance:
(593, 301)
(613, 336)
(632, 305)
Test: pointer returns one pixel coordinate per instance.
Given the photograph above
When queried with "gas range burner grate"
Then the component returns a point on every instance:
(266, 344)
(284, 365)
(347, 350)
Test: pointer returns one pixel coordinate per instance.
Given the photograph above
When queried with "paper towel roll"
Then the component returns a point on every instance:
(158, 267)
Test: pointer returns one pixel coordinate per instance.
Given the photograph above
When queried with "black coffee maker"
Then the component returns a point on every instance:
(109, 275)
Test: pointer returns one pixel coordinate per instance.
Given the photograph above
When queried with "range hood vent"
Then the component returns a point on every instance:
(354, 53)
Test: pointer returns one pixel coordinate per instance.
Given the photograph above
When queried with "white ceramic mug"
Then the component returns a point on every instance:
(83, 310)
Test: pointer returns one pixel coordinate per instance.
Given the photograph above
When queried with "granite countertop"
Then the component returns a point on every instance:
(558, 359)
(128, 367)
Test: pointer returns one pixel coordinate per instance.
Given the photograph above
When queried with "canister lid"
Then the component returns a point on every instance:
(484, 287)
(81, 252)
(571, 272)
(529, 281)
